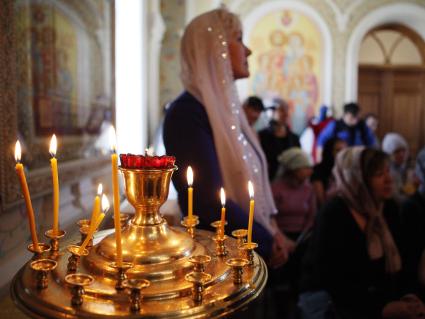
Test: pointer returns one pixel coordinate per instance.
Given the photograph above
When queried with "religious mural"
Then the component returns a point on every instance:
(287, 62)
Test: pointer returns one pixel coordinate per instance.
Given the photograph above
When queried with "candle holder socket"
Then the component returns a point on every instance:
(121, 273)
(84, 231)
(39, 251)
(74, 259)
(190, 224)
(83, 222)
(248, 249)
(77, 283)
(198, 281)
(220, 247)
(199, 262)
(217, 226)
(54, 239)
(240, 235)
(135, 286)
(237, 265)
(42, 267)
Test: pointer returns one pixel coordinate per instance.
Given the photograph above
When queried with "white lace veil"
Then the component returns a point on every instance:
(207, 75)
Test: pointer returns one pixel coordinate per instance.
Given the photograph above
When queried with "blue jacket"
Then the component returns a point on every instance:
(353, 136)
(188, 136)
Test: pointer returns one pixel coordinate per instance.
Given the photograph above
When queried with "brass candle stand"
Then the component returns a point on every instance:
(74, 259)
(240, 235)
(237, 265)
(54, 239)
(248, 250)
(39, 251)
(42, 267)
(121, 273)
(190, 224)
(135, 286)
(188, 276)
(217, 226)
(84, 230)
(77, 283)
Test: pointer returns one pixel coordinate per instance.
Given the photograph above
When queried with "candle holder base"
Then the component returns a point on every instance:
(248, 249)
(84, 231)
(74, 259)
(198, 280)
(220, 247)
(237, 265)
(54, 239)
(135, 286)
(199, 262)
(217, 226)
(121, 273)
(42, 267)
(240, 235)
(77, 283)
(190, 224)
(39, 251)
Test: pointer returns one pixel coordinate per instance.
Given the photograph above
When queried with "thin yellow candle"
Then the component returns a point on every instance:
(223, 211)
(105, 208)
(190, 193)
(25, 191)
(115, 188)
(251, 210)
(96, 206)
(55, 182)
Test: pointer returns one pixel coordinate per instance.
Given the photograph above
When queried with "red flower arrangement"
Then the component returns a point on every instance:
(146, 161)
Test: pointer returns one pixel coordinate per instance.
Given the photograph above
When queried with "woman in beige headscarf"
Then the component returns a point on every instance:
(354, 253)
(206, 128)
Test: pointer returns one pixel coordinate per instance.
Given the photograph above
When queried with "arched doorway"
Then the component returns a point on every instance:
(391, 81)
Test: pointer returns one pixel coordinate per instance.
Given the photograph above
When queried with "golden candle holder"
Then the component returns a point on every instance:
(136, 286)
(166, 256)
(190, 224)
(217, 226)
(84, 230)
(237, 265)
(42, 267)
(220, 247)
(77, 283)
(199, 262)
(124, 219)
(54, 239)
(83, 222)
(198, 280)
(74, 259)
(39, 251)
(248, 249)
(240, 235)
(121, 273)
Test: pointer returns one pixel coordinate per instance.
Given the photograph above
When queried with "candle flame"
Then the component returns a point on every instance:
(250, 190)
(99, 189)
(53, 145)
(105, 203)
(18, 151)
(222, 197)
(189, 176)
(113, 139)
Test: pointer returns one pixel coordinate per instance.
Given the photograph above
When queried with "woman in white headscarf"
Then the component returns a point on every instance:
(206, 128)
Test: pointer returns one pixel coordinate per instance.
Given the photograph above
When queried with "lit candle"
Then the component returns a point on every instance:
(55, 182)
(223, 210)
(115, 188)
(105, 208)
(24, 186)
(190, 193)
(251, 211)
(96, 207)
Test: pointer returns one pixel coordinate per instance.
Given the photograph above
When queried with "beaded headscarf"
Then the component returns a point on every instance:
(207, 74)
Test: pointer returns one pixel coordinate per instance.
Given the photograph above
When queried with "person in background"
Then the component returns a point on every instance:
(396, 147)
(349, 128)
(205, 128)
(413, 217)
(293, 193)
(253, 106)
(372, 123)
(322, 179)
(277, 137)
(353, 263)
